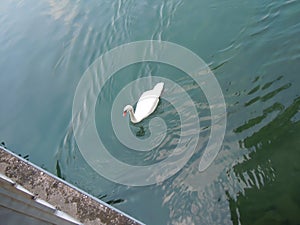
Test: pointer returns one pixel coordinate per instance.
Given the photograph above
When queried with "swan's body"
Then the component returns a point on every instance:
(146, 104)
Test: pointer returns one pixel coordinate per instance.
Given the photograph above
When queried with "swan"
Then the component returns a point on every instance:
(146, 105)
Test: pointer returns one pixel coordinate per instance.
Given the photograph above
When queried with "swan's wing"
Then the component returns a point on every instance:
(148, 102)
(145, 107)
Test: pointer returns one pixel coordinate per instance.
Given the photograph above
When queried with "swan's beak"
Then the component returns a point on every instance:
(124, 113)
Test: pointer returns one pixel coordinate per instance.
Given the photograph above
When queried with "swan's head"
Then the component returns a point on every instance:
(126, 109)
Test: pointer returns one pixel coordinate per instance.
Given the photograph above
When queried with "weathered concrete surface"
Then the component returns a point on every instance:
(65, 198)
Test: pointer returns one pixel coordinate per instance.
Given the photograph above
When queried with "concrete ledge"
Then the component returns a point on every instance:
(63, 196)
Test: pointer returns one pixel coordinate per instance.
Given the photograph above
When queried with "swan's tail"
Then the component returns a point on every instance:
(154, 93)
(158, 88)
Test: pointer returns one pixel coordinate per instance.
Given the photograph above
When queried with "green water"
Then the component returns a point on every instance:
(252, 48)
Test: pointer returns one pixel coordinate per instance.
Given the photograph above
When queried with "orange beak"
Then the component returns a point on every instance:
(124, 113)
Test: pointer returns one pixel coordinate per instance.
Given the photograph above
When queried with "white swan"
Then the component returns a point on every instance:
(146, 104)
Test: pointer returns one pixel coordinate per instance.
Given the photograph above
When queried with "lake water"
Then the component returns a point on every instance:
(253, 49)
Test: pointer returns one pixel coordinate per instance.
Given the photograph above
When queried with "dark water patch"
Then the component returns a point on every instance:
(272, 173)
(275, 92)
(257, 120)
(268, 84)
(3, 144)
(220, 65)
(115, 201)
(58, 170)
(252, 101)
(253, 90)
(256, 79)
(268, 96)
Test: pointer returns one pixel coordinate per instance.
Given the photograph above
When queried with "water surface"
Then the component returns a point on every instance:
(253, 49)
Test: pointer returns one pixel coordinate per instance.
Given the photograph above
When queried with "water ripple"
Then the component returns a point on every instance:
(253, 48)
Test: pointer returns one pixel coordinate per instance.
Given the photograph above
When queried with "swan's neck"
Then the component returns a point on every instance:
(132, 116)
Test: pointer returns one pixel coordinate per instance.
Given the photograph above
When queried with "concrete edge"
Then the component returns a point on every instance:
(64, 196)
